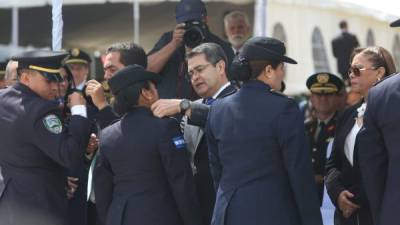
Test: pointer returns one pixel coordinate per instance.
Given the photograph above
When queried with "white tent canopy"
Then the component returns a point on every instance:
(260, 15)
(39, 3)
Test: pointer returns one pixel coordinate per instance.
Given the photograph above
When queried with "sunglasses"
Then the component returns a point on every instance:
(357, 71)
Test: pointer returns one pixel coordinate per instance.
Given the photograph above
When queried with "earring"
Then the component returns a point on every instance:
(378, 79)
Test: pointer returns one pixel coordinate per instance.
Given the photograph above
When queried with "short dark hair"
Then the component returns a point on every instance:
(213, 53)
(131, 53)
(343, 24)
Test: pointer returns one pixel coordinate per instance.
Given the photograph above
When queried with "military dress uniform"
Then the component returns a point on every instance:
(78, 56)
(36, 148)
(77, 205)
(321, 133)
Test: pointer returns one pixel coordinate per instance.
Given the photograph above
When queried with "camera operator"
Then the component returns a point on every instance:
(168, 55)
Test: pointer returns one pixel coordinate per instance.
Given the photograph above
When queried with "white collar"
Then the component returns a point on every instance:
(80, 86)
(221, 89)
(237, 50)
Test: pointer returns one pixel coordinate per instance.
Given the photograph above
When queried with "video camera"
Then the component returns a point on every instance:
(195, 33)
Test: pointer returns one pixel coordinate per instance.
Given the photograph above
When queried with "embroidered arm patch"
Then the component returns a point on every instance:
(53, 124)
(179, 142)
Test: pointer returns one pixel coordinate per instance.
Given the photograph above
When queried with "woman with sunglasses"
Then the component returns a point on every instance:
(343, 180)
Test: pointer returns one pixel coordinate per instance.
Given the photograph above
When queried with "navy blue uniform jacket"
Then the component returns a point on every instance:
(143, 175)
(260, 160)
(378, 148)
(33, 156)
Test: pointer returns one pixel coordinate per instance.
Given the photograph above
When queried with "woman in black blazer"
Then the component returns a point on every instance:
(343, 180)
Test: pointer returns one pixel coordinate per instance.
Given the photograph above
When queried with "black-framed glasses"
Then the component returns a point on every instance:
(357, 71)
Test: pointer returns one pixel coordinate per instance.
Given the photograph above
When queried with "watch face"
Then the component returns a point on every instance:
(185, 104)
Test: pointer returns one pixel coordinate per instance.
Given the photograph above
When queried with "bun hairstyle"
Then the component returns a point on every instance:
(240, 69)
(126, 99)
(256, 54)
(127, 84)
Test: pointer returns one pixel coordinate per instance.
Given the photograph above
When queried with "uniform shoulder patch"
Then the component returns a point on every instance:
(53, 124)
(179, 142)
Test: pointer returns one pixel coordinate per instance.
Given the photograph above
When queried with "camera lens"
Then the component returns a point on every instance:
(193, 35)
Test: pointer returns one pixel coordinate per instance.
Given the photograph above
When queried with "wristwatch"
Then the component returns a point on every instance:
(184, 105)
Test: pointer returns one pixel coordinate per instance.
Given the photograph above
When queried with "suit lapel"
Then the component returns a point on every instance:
(227, 91)
(200, 134)
(197, 130)
(348, 126)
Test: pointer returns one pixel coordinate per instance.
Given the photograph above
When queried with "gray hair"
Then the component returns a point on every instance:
(236, 15)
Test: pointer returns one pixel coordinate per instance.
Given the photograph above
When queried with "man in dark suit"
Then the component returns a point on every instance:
(36, 146)
(378, 149)
(143, 176)
(342, 47)
(324, 88)
(207, 70)
(168, 55)
(258, 150)
(118, 56)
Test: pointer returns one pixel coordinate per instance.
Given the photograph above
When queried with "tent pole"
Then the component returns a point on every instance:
(260, 18)
(136, 21)
(57, 31)
(15, 27)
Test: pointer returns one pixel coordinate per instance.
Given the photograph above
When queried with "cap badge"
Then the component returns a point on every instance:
(75, 52)
(323, 78)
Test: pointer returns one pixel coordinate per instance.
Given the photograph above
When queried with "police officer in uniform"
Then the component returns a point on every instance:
(36, 147)
(79, 64)
(324, 88)
(143, 175)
